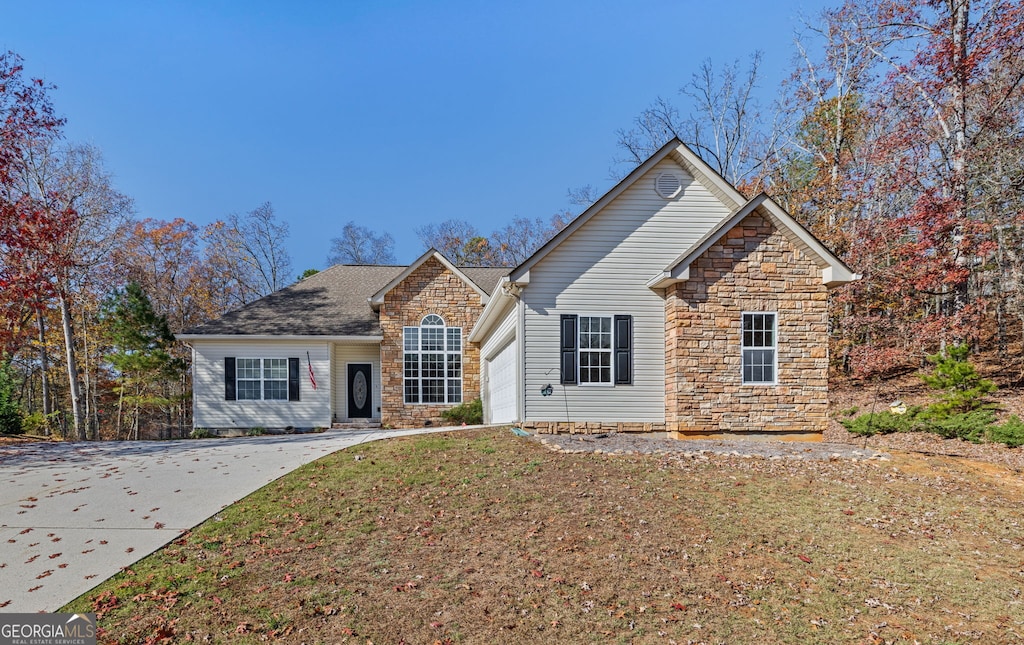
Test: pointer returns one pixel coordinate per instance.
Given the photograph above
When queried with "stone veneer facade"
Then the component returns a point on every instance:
(431, 289)
(753, 268)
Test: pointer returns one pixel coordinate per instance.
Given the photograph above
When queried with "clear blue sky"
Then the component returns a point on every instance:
(390, 113)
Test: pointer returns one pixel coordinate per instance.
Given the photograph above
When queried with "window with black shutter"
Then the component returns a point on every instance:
(596, 350)
(569, 340)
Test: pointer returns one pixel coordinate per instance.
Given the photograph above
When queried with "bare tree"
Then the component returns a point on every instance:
(459, 241)
(517, 241)
(584, 195)
(360, 245)
(724, 126)
(251, 247)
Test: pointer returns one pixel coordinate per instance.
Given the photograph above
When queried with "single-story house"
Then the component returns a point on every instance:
(671, 304)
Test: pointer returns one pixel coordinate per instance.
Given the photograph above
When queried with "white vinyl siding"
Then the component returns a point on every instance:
(345, 353)
(211, 410)
(604, 267)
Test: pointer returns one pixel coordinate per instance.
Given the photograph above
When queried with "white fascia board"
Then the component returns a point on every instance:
(492, 312)
(264, 337)
(834, 272)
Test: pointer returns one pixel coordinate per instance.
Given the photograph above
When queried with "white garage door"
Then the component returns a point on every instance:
(502, 386)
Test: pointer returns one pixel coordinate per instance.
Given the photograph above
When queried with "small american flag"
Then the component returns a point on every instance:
(312, 376)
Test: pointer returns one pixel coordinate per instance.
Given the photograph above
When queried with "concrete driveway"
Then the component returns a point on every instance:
(74, 514)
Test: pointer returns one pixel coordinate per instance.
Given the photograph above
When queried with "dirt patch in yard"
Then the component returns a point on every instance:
(484, 537)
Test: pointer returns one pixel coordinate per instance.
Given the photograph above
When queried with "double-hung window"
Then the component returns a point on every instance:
(596, 350)
(759, 348)
(433, 362)
(261, 379)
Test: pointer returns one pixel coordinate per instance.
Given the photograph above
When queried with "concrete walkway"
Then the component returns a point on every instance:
(74, 514)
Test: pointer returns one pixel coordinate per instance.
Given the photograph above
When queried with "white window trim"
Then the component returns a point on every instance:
(580, 350)
(262, 379)
(774, 348)
(445, 352)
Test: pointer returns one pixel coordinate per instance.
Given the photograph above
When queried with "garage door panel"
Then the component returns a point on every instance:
(502, 385)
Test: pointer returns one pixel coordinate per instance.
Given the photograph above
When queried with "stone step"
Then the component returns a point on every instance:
(355, 425)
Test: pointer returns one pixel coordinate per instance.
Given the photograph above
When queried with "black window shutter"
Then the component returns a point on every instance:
(229, 378)
(569, 339)
(293, 379)
(623, 350)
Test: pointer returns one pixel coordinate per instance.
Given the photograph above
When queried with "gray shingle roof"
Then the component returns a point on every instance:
(330, 303)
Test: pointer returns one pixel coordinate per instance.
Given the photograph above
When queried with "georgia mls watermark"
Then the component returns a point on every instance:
(47, 629)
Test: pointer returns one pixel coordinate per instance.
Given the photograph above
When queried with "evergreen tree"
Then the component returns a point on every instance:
(141, 341)
(10, 413)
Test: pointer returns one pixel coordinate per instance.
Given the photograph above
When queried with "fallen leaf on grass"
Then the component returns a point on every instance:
(804, 558)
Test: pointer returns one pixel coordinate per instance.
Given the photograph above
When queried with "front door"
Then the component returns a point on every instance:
(360, 391)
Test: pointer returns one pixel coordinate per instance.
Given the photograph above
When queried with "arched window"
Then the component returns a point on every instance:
(433, 362)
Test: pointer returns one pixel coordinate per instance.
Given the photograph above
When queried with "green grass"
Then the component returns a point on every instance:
(484, 537)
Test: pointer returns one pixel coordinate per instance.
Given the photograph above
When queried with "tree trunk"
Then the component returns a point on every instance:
(44, 367)
(74, 385)
(120, 411)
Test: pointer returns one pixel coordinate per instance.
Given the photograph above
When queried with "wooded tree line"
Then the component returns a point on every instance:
(90, 296)
(898, 141)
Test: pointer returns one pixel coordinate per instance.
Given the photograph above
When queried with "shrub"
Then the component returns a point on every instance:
(257, 431)
(1011, 432)
(471, 413)
(35, 424)
(970, 426)
(200, 433)
(885, 422)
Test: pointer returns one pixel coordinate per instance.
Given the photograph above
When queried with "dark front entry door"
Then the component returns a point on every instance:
(360, 391)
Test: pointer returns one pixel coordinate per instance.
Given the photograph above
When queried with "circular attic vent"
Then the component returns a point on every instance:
(668, 185)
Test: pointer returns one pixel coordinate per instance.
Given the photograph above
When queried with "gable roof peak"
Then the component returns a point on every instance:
(675, 149)
(377, 299)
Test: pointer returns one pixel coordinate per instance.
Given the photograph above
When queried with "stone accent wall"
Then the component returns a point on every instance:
(431, 289)
(753, 268)
(590, 427)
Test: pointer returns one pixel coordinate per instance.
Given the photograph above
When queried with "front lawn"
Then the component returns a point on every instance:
(485, 537)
